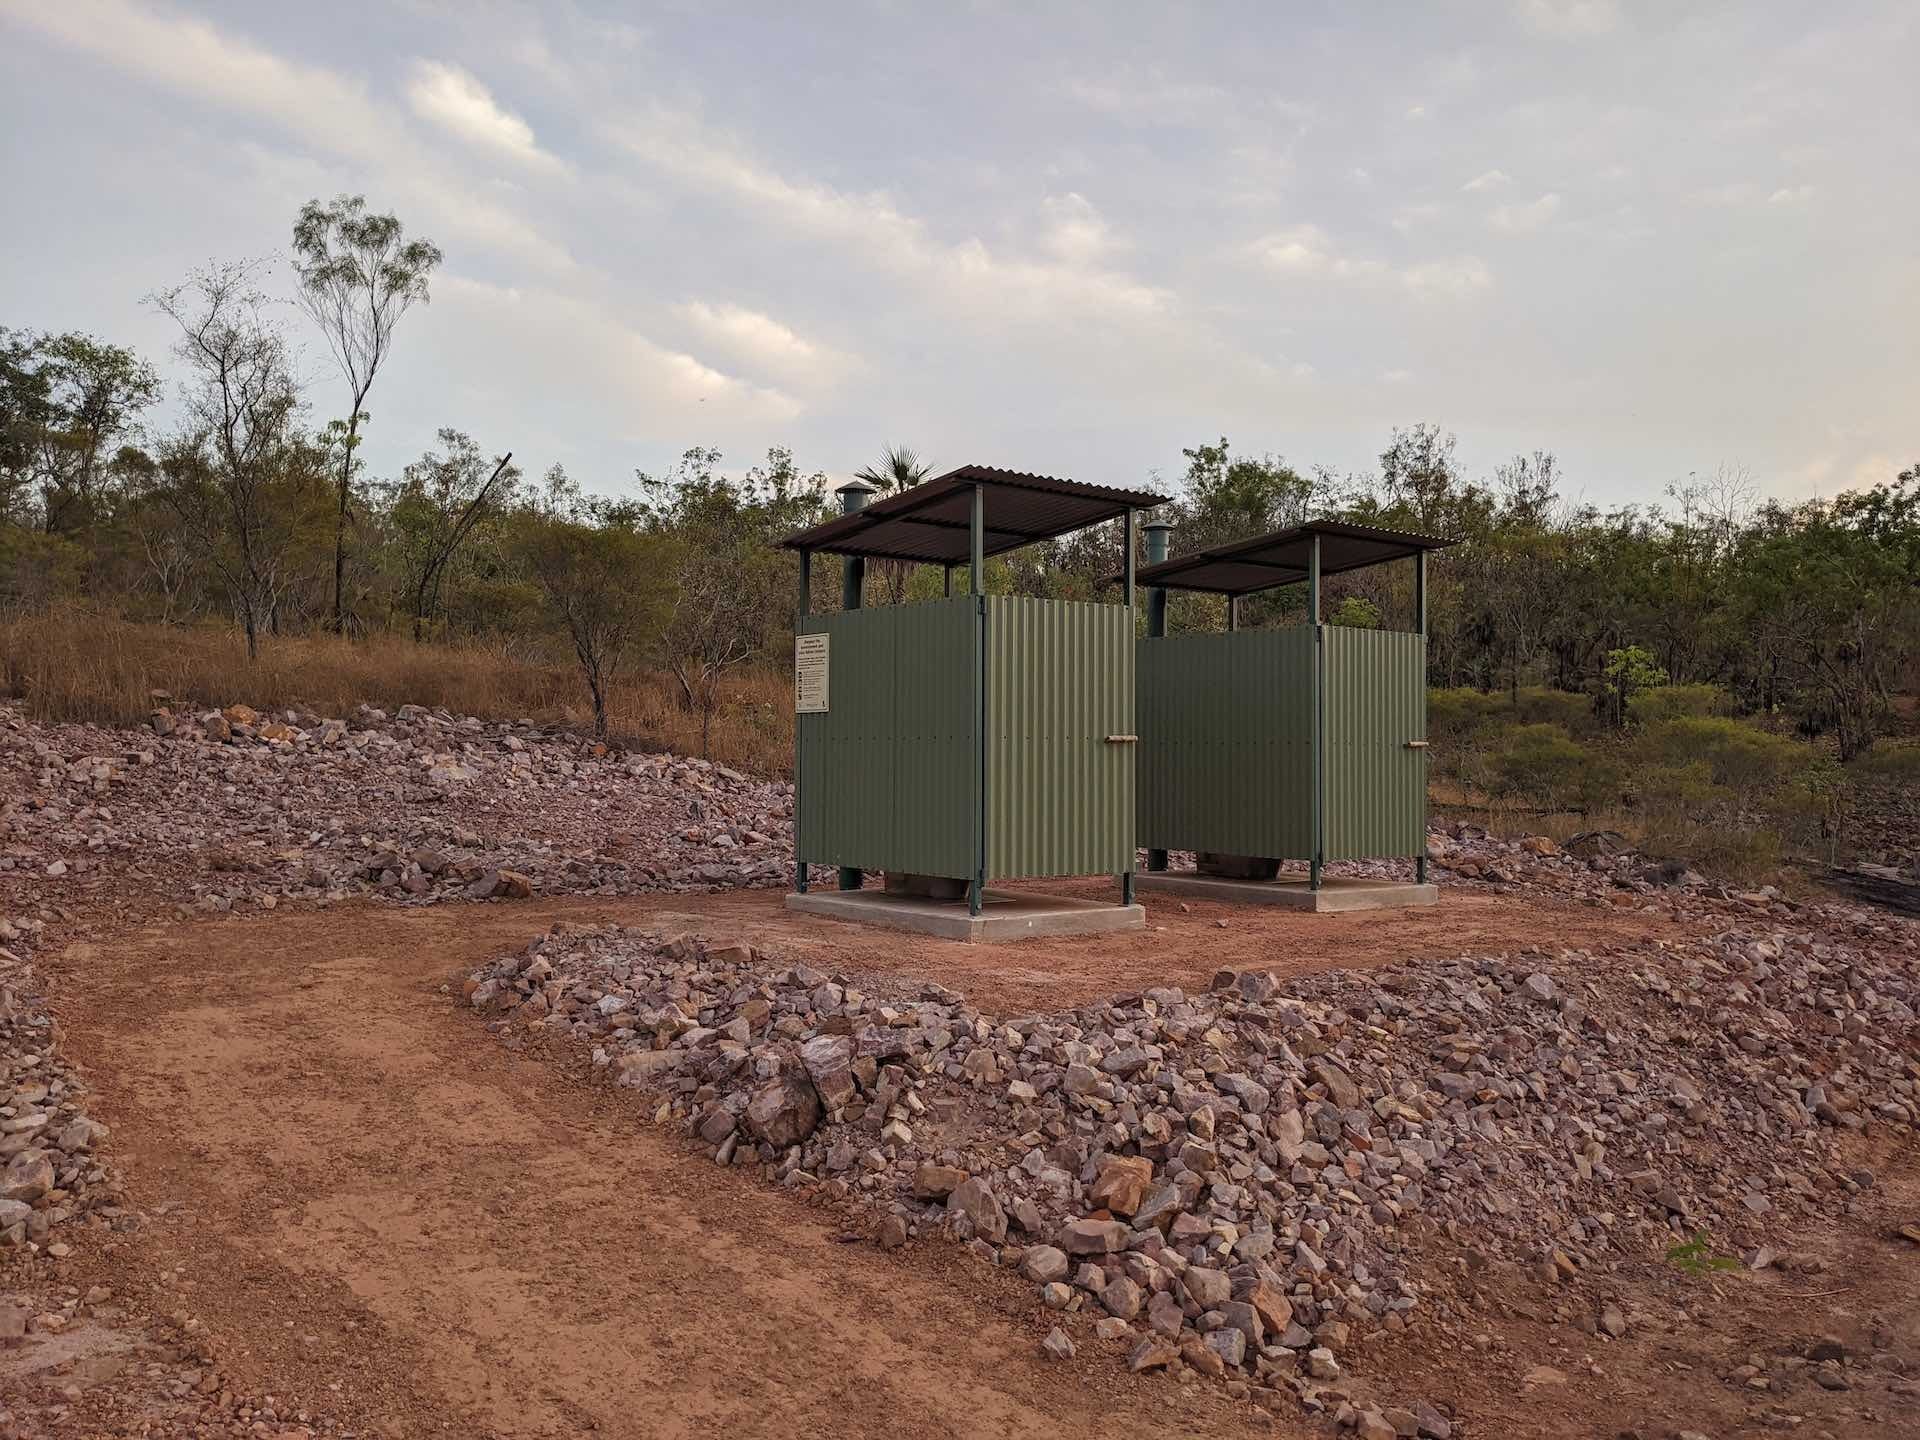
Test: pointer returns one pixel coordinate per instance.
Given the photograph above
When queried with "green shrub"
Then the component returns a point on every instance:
(1674, 702)
(1357, 612)
(1569, 709)
(1548, 765)
(1892, 762)
(1455, 713)
(1747, 761)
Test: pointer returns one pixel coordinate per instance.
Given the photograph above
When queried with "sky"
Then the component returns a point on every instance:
(1656, 239)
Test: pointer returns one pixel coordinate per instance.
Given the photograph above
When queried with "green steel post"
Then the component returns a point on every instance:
(1126, 876)
(976, 892)
(1157, 534)
(1319, 715)
(802, 603)
(1420, 624)
(854, 495)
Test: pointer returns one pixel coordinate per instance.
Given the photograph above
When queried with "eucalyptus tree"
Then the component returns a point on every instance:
(358, 275)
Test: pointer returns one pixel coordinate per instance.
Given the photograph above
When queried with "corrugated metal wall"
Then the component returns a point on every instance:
(886, 774)
(1376, 787)
(1226, 742)
(1060, 799)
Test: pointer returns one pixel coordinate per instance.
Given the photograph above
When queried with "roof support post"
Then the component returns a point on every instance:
(802, 601)
(1319, 714)
(946, 581)
(977, 890)
(1126, 876)
(1313, 580)
(854, 495)
(1420, 624)
(1233, 613)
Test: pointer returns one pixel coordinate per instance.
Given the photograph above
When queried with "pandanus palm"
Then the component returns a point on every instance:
(899, 469)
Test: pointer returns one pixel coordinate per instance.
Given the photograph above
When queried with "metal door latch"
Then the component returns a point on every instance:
(1416, 744)
(1123, 739)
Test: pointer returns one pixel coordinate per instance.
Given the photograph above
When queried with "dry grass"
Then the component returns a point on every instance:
(76, 664)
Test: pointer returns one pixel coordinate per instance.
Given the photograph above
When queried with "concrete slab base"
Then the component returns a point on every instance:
(1336, 892)
(1004, 914)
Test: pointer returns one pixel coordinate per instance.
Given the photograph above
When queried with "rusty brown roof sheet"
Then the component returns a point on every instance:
(932, 522)
(1241, 567)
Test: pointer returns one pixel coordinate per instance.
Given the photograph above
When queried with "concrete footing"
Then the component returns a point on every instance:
(1004, 914)
(1336, 892)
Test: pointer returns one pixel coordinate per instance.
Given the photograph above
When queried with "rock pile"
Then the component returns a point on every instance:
(50, 1172)
(233, 808)
(1251, 1181)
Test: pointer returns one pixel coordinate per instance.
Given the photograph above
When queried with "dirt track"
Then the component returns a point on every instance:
(382, 1215)
(373, 1195)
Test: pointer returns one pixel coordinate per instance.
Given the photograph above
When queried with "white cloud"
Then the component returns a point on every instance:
(1076, 232)
(1308, 250)
(324, 111)
(1740, 193)
(1523, 219)
(1148, 94)
(1447, 279)
(1488, 180)
(453, 99)
(1395, 377)
(1734, 192)
(529, 333)
(1571, 18)
(1416, 112)
(1303, 250)
(870, 223)
(760, 341)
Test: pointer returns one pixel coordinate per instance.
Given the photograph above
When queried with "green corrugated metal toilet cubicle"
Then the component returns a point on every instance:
(1302, 743)
(954, 742)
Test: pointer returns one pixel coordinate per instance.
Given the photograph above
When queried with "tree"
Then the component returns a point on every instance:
(68, 405)
(730, 585)
(1628, 671)
(1835, 586)
(358, 275)
(240, 473)
(24, 408)
(600, 578)
(435, 508)
(899, 470)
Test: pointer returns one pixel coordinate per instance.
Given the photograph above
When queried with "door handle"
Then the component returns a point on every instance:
(1416, 744)
(1123, 739)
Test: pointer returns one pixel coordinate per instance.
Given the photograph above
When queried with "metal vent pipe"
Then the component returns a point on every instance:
(1158, 533)
(854, 495)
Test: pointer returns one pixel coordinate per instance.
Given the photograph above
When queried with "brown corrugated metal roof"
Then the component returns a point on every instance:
(1241, 567)
(932, 522)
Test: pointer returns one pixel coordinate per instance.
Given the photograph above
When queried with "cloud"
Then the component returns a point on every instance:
(1447, 279)
(1489, 180)
(1524, 219)
(1573, 19)
(1416, 112)
(324, 111)
(529, 334)
(1737, 193)
(1136, 94)
(1076, 232)
(1302, 250)
(1395, 377)
(451, 98)
(871, 224)
(762, 342)
(1308, 250)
